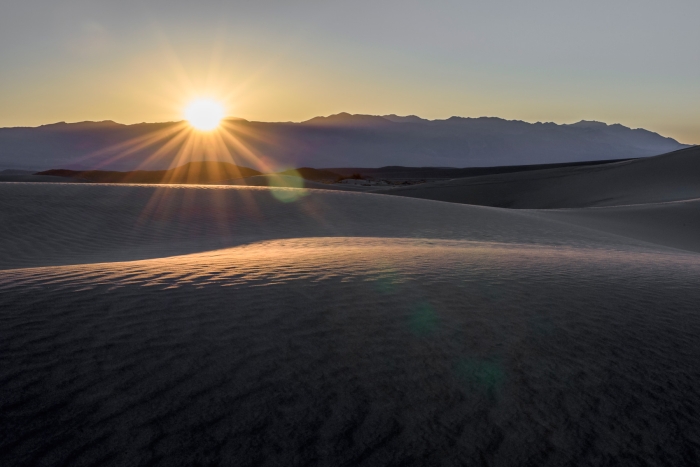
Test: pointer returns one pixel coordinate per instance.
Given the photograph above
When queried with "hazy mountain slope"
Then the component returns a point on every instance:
(340, 140)
(668, 177)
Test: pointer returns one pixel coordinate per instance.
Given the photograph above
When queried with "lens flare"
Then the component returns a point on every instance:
(204, 114)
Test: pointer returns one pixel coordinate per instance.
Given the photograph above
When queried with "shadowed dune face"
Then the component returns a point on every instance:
(668, 177)
(359, 351)
(674, 224)
(250, 326)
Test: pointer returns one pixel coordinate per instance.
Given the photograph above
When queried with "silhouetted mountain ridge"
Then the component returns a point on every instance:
(345, 118)
(340, 140)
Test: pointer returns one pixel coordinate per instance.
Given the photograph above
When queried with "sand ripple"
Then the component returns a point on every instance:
(355, 351)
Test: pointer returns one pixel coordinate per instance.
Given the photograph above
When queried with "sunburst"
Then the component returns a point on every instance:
(204, 114)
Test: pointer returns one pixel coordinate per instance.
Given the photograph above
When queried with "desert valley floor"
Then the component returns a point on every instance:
(239, 325)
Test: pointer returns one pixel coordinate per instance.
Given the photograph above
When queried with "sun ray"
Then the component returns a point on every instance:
(124, 149)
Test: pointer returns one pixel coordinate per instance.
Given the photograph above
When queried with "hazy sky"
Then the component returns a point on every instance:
(635, 62)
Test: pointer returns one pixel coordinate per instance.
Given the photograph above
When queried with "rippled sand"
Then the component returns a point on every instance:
(239, 326)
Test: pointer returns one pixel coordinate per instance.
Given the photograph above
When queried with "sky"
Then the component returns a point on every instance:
(635, 62)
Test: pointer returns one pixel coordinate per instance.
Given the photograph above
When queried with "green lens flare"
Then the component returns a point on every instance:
(286, 188)
(483, 374)
(423, 320)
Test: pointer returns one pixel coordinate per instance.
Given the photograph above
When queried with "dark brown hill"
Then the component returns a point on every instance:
(309, 173)
(191, 173)
(399, 172)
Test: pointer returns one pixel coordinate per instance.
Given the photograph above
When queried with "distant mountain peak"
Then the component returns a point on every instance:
(407, 119)
(589, 124)
(456, 118)
(77, 125)
(346, 119)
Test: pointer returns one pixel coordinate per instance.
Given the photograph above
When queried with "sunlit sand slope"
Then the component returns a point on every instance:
(669, 177)
(282, 327)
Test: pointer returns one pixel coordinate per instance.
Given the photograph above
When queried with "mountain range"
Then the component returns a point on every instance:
(341, 140)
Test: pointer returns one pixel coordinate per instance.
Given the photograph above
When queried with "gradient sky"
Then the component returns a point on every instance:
(635, 62)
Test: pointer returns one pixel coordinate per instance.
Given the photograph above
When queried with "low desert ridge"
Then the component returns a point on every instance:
(176, 325)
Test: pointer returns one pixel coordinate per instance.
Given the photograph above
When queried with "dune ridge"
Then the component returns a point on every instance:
(667, 177)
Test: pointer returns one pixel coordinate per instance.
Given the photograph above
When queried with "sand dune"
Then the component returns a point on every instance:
(668, 177)
(53, 224)
(184, 325)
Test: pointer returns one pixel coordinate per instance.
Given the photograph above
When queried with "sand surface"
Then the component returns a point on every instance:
(181, 325)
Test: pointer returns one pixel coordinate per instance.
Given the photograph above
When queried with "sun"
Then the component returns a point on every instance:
(204, 114)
